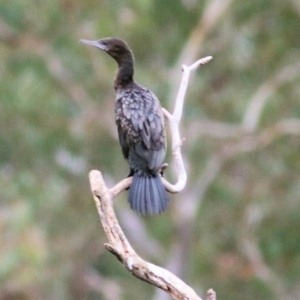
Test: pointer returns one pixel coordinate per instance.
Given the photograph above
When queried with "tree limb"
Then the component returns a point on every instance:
(121, 248)
(174, 121)
(117, 241)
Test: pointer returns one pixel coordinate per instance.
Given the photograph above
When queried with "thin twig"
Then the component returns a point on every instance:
(174, 121)
(211, 295)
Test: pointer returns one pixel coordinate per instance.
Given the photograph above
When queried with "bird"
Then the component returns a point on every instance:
(141, 130)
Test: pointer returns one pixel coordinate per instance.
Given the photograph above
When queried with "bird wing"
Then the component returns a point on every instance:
(141, 127)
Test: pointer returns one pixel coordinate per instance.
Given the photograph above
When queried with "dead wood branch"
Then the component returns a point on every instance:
(120, 247)
(117, 241)
(174, 121)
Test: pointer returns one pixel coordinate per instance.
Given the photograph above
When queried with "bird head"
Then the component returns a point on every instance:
(116, 48)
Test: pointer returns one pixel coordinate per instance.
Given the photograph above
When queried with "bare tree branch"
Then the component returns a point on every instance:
(118, 243)
(210, 16)
(121, 248)
(238, 138)
(174, 121)
(211, 295)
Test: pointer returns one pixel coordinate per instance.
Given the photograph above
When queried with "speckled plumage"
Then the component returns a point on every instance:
(141, 131)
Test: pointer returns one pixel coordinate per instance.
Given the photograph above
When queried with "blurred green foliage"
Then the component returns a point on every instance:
(57, 123)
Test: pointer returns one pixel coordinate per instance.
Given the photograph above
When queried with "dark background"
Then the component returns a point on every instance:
(235, 227)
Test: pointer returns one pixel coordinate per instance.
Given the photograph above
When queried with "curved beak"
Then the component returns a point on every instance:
(97, 44)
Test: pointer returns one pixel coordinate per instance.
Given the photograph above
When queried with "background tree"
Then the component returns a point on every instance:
(234, 228)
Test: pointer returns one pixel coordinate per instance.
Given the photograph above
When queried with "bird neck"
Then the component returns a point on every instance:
(125, 72)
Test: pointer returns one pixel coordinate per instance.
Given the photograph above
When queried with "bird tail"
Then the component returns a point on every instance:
(147, 195)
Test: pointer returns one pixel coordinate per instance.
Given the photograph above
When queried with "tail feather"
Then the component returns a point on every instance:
(147, 191)
(141, 204)
(138, 191)
(147, 195)
(159, 194)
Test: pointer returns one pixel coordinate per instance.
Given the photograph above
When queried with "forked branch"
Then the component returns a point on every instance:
(120, 247)
(174, 121)
(117, 241)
